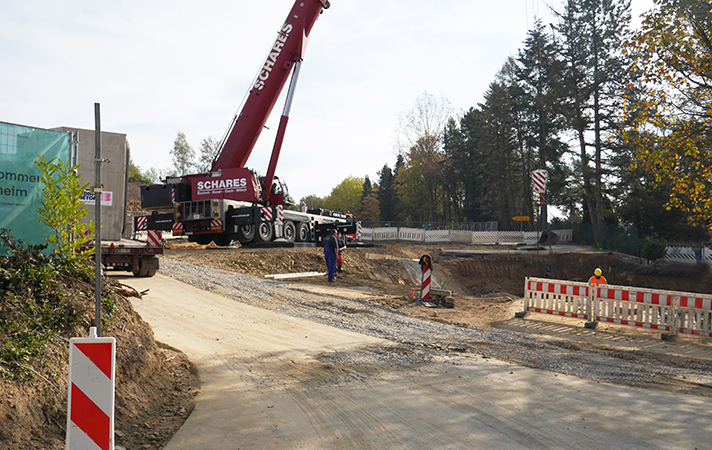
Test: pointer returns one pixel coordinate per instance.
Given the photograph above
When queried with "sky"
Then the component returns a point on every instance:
(160, 67)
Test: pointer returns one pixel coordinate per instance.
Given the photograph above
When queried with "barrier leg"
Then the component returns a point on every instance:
(592, 310)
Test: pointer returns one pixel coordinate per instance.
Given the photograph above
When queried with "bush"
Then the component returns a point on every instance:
(653, 249)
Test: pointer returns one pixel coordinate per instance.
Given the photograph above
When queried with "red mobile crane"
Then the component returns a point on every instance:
(231, 201)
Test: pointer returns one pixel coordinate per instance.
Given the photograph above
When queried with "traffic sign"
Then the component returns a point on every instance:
(520, 218)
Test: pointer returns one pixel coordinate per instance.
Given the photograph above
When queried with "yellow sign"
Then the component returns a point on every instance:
(521, 219)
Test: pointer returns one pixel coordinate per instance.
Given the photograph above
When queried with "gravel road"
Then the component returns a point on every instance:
(318, 367)
(361, 312)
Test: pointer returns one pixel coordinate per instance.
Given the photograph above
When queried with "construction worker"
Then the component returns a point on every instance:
(331, 252)
(597, 279)
(340, 258)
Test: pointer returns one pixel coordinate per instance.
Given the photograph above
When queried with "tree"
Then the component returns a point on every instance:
(592, 33)
(671, 112)
(428, 117)
(183, 155)
(419, 181)
(386, 194)
(537, 92)
(135, 174)
(209, 150)
(346, 196)
(312, 202)
(62, 211)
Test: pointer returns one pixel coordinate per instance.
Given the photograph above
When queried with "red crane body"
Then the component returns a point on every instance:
(287, 50)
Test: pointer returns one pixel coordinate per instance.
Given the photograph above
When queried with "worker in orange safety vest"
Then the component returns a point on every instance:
(597, 279)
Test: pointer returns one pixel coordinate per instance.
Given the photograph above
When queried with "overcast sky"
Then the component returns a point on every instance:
(160, 67)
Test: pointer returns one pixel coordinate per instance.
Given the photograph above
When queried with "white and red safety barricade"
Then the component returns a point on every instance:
(142, 223)
(280, 215)
(656, 309)
(359, 231)
(695, 314)
(216, 225)
(154, 238)
(644, 308)
(266, 214)
(90, 410)
(177, 228)
(557, 297)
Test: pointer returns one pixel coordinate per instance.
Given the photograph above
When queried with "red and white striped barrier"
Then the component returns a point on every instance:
(557, 297)
(280, 216)
(142, 223)
(540, 177)
(177, 228)
(266, 214)
(644, 308)
(90, 410)
(154, 238)
(359, 231)
(695, 314)
(425, 289)
(656, 309)
(216, 225)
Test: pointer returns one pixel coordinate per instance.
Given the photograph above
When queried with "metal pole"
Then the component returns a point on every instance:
(97, 220)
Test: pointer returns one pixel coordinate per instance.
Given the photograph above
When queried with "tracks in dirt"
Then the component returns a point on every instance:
(270, 380)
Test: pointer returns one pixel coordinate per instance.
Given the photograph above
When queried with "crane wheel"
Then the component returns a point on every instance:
(289, 231)
(302, 232)
(222, 240)
(265, 232)
(246, 233)
(203, 239)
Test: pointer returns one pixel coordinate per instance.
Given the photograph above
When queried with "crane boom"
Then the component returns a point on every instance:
(288, 49)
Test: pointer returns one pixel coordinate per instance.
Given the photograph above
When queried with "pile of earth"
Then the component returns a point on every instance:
(155, 384)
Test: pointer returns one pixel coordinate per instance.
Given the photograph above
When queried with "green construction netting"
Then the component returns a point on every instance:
(20, 184)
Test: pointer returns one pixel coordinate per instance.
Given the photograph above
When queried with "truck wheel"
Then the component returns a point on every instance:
(289, 231)
(150, 273)
(265, 232)
(141, 273)
(246, 233)
(302, 232)
(222, 240)
(203, 239)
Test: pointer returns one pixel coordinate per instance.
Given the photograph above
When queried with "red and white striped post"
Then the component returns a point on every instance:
(279, 222)
(359, 231)
(90, 410)
(426, 263)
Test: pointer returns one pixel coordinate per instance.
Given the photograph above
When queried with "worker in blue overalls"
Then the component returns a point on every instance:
(331, 252)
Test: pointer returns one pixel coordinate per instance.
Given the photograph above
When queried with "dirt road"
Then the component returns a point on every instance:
(274, 381)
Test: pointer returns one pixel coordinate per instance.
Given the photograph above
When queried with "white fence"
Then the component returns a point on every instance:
(676, 312)
(688, 254)
(460, 236)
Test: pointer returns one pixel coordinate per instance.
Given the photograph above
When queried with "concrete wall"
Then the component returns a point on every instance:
(113, 176)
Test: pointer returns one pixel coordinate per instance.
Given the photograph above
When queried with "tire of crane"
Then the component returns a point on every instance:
(222, 240)
(140, 273)
(203, 239)
(265, 232)
(302, 232)
(246, 233)
(150, 273)
(289, 231)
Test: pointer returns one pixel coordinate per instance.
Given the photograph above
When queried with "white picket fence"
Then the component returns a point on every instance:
(459, 236)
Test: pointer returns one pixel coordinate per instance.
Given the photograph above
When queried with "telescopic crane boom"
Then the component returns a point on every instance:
(283, 59)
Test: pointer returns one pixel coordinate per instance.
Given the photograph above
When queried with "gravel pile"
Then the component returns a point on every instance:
(418, 341)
